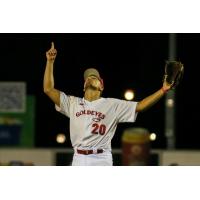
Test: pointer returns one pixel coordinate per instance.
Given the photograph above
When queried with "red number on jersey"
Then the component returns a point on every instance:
(95, 130)
(101, 129)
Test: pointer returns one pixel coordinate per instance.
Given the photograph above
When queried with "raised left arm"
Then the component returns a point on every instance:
(152, 99)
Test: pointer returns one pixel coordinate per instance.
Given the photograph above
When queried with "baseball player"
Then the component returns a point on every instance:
(93, 119)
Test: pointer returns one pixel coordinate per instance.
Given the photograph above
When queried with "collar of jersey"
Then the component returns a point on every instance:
(92, 102)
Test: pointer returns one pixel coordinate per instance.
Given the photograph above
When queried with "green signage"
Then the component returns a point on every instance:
(17, 129)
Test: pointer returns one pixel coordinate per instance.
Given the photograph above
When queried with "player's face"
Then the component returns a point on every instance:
(93, 82)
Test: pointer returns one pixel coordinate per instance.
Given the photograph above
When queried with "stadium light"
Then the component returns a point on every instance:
(129, 94)
(60, 138)
(152, 136)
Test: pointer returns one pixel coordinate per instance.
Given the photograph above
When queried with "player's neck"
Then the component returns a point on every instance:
(92, 95)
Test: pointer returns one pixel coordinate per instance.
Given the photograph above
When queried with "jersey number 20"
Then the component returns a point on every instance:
(98, 129)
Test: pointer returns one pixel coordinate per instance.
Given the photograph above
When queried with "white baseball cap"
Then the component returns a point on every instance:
(91, 72)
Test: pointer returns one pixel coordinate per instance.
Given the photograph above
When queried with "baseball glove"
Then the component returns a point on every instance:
(173, 73)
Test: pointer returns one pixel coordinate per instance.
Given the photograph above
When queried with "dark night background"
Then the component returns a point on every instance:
(129, 60)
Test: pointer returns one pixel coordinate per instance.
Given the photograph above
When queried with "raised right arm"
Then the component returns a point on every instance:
(48, 81)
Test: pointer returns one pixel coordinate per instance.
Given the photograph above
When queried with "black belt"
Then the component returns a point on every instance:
(87, 152)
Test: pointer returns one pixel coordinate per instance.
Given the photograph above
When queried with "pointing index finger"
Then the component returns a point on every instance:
(52, 45)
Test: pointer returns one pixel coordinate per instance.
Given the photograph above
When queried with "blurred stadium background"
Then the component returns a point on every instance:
(33, 133)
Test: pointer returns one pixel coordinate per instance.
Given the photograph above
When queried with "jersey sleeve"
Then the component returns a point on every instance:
(126, 111)
(65, 102)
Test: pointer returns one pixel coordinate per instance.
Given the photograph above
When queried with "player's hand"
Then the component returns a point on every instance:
(167, 86)
(51, 53)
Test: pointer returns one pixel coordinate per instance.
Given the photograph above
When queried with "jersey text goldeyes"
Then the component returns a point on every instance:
(99, 116)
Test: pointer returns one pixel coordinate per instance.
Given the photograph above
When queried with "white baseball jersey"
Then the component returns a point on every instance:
(93, 124)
